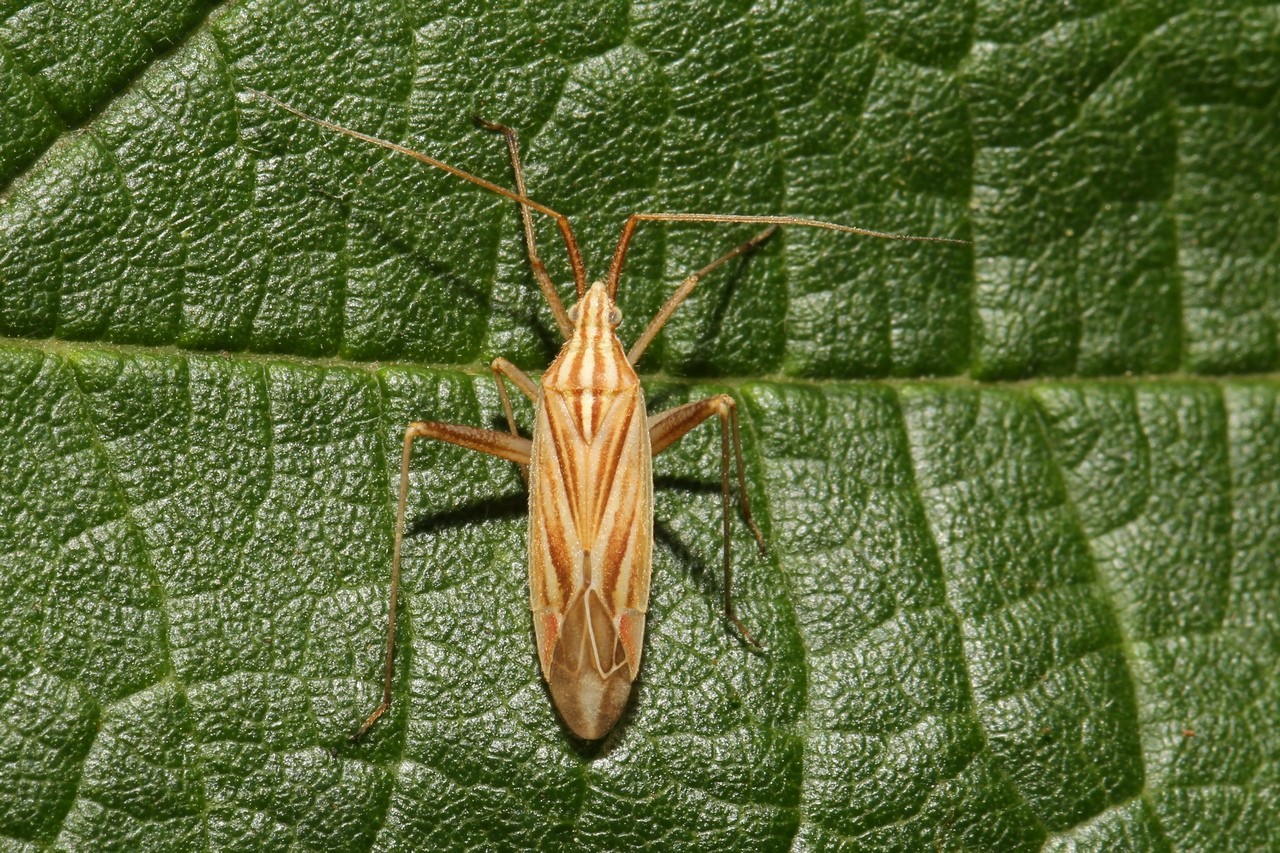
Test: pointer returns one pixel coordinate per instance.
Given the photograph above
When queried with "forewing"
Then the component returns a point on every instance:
(621, 507)
(555, 547)
(591, 513)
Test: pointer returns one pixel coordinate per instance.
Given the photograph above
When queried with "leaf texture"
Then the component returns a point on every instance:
(1022, 498)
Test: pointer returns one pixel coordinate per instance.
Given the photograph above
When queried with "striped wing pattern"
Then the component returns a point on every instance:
(590, 512)
(590, 521)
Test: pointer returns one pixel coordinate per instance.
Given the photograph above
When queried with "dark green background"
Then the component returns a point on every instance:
(1022, 498)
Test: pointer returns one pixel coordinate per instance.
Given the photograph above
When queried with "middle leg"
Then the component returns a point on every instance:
(499, 444)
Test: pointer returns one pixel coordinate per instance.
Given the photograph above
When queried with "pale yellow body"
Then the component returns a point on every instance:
(590, 522)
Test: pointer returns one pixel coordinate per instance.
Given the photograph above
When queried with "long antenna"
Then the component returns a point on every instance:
(628, 230)
(562, 222)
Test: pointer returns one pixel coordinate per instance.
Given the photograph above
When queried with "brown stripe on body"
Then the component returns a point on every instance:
(609, 453)
(571, 464)
(622, 544)
(592, 487)
(592, 467)
(604, 488)
(555, 549)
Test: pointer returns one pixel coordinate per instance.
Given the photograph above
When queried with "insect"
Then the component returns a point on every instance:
(588, 464)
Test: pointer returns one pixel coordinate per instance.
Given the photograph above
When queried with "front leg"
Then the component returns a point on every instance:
(503, 369)
(666, 428)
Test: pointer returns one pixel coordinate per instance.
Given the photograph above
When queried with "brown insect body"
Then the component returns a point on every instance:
(590, 522)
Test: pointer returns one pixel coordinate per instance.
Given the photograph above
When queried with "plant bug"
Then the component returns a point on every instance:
(588, 465)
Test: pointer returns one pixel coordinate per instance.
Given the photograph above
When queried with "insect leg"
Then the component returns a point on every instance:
(498, 444)
(526, 216)
(686, 287)
(666, 428)
(504, 369)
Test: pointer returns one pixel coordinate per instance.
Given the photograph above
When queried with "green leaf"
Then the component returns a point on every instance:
(1022, 499)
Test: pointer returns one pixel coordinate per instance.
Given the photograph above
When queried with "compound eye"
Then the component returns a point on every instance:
(573, 313)
(615, 315)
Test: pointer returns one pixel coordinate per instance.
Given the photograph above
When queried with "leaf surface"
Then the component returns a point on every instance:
(1022, 498)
